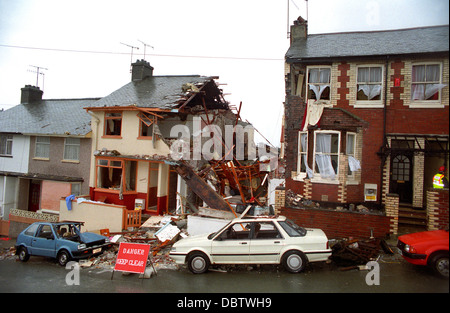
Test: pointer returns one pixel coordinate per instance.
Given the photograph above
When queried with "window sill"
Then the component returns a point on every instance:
(107, 190)
(315, 180)
(111, 137)
(426, 105)
(368, 105)
(71, 161)
(5, 156)
(145, 137)
(41, 159)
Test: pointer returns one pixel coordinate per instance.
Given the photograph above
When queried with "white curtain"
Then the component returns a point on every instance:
(323, 159)
(371, 91)
(319, 80)
(304, 142)
(425, 73)
(353, 163)
(367, 79)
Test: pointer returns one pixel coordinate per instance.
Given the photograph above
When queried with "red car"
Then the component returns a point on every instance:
(428, 248)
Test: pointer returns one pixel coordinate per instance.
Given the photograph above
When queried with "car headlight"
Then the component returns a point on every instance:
(410, 249)
(82, 246)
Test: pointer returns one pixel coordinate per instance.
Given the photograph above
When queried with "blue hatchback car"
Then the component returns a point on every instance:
(62, 240)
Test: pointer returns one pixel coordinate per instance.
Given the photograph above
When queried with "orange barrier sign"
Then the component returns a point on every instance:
(132, 257)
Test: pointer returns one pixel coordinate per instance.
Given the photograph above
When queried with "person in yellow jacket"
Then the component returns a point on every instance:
(439, 180)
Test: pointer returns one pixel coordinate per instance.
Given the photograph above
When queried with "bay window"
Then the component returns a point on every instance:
(326, 153)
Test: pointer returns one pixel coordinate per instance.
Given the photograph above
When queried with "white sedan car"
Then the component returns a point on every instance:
(259, 240)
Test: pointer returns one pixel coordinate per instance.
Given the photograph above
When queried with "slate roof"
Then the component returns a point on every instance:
(48, 117)
(375, 43)
(152, 92)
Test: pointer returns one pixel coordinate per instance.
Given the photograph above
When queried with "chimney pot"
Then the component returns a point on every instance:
(299, 30)
(140, 70)
(30, 94)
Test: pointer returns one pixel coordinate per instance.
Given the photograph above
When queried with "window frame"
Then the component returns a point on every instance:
(146, 120)
(350, 174)
(42, 144)
(370, 103)
(7, 141)
(307, 90)
(112, 118)
(71, 145)
(317, 177)
(301, 174)
(426, 103)
(124, 175)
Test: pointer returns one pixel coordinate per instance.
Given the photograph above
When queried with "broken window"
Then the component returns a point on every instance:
(319, 83)
(110, 172)
(353, 163)
(113, 124)
(146, 121)
(302, 166)
(42, 148)
(426, 82)
(326, 154)
(370, 83)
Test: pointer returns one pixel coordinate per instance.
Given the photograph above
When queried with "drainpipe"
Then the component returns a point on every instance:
(383, 157)
(97, 122)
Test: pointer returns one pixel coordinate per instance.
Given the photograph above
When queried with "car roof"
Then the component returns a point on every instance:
(260, 218)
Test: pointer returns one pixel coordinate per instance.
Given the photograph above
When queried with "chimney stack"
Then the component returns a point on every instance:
(30, 94)
(140, 70)
(299, 30)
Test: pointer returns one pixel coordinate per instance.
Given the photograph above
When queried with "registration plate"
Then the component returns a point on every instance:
(96, 250)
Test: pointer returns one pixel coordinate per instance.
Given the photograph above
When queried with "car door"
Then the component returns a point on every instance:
(266, 243)
(232, 245)
(44, 242)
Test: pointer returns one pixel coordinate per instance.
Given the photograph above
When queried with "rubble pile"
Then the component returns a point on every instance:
(160, 232)
(297, 200)
(353, 252)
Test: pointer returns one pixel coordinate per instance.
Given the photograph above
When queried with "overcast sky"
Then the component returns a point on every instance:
(241, 41)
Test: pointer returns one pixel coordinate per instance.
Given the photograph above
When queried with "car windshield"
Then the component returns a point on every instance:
(66, 230)
(292, 229)
(210, 236)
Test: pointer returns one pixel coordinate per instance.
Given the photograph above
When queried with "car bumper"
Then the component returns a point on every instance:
(179, 258)
(91, 251)
(413, 258)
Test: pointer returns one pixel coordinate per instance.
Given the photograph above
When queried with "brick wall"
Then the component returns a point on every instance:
(401, 118)
(337, 224)
(437, 209)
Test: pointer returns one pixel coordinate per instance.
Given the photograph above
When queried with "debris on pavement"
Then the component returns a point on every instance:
(354, 253)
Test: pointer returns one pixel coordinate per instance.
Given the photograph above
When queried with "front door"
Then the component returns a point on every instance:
(34, 195)
(401, 176)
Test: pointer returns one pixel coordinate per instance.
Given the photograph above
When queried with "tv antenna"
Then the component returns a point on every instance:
(132, 48)
(38, 71)
(145, 45)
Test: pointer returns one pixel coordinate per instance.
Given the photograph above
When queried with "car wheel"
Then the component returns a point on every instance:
(439, 263)
(63, 258)
(198, 263)
(23, 254)
(294, 261)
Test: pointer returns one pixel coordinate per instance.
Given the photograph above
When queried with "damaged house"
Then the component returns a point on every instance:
(144, 130)
(366, 123)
